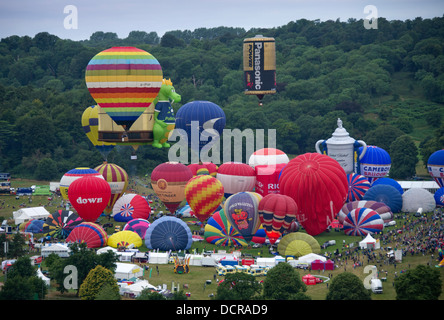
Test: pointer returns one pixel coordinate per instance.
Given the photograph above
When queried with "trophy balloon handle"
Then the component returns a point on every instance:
(364, 150)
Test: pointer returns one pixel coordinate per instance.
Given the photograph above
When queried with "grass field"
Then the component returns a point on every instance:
(196, 281)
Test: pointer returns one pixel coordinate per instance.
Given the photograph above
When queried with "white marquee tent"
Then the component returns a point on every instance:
(126, 271)
(369, 242)
(26, 214)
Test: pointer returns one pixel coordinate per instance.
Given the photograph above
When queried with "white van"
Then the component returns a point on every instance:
(376, 285)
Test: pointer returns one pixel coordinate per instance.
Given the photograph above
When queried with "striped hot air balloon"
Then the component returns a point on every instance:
(59, 224)
(75, 174)
(117, 179)
(204, 194)
(131, 206)
(220, 232)
(357, 186)
(380, 208)
(360, 222)
(90, 233)
(124, 81)
(139, 226)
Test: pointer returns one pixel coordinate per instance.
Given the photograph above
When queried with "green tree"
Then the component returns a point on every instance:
(404, 155)
(95, 281)
(17, 247)
(147, 294)
(239, 286)
(283, 282)
(347, 286)
(420, 283)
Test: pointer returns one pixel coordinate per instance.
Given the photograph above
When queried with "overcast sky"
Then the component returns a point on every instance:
(29, 17)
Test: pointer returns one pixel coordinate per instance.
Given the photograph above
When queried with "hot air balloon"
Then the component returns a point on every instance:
(202, 168)
(219, 231)
(439, 197)
(435, 166)
(117, 179)
(168, 233)
(75, 174)
(361, 221)
(90, 233)
(241, 210)
(384, 211)
(89, 196)
(357, 186)
(259, 59)
(90, 124)
(416, 198)
(168, 181)
(276, 212)
(390, 182)
(236, 177)
(298, 244)
(375, 163)
(386, 194)
(139, 226)
(201, 123)
(204, 194)
(125, 239)
(59, 224)
(318, 185)
(268, 156)
(34, 226)
(124, 81)
(131, 206)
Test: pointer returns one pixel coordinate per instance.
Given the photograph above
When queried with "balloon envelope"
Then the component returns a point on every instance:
(34, 226)
(219, 231)
(168, 233)
(124, 239)
(357, 186)
(276, 212)
(90, 233)
(117, 179)
(361, 221)
(435, 166)
(318, 185)
(390, 182)
(439, 197)
(59, 224)
(375, 163)
(386, 194)
(131, 206)
(298, 244)
(89, 196)
(90, 125)
(384, 211)
(236, 177)
(416, 198)
(124, 81)
(241, 210)
(168, 181)
(75, 174)
(139, 226)
(204, 194)
(268, 156)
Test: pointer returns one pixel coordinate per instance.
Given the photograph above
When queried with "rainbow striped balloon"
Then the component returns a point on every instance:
(204, 194)
(124, 81)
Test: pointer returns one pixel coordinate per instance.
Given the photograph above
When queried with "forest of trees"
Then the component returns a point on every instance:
(386, 84)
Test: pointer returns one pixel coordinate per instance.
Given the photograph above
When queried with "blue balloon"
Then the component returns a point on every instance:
(375, 163)
(386, 194)
(35, 226)
(390, 182)
(168, 233)
(439, 197)
(205, 118)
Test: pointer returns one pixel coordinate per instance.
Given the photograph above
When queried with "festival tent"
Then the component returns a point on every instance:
(158, 257)
(309, 279)
(369, 242)
(43, 277)
(317, 265)
(309, 258)
(59, 249)
(126, 271)
(136, 288)
(26, 214)
(329, 265)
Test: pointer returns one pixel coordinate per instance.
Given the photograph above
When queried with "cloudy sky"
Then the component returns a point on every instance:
(78, 19)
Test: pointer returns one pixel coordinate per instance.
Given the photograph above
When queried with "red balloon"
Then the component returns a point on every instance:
(89, 196)
(277, 212)
(318, 184)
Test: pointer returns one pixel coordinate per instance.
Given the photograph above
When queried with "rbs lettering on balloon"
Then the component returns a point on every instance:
(81, 200)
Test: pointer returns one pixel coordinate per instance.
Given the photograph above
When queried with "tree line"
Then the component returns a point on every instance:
(385, 84)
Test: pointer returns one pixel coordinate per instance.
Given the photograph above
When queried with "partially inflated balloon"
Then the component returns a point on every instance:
(131, 206)
(318, 185)
(75, 174)
(117, 179)
(90, 233)
(168, 181)
(435, 166)
(124, 81)
(89, 196)
(236, 177)
(241, 210)
(204, 194)
(276, 212)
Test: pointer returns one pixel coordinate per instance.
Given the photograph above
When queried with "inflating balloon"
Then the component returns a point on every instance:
(267, 157)
(90, 233)
(204, 194)
(125, 239)
(139, 226)
(384, 211)
(236, 177)
(203, 168)
(59, 224)
(34, 226)
(361, 221)
(241, 210)
(435, 166)
(124, 81)
(168, 181)
(131, 206)
(298, 244)
(390, 182)
(277, 212)
(75, 174)
(168, 233)
(357, 186)
(318, 185)
(219, 231)
(117, 179)
(416, 198)
(386, 194)
(89, 196)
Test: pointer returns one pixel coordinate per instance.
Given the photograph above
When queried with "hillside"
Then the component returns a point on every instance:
(383, 84)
